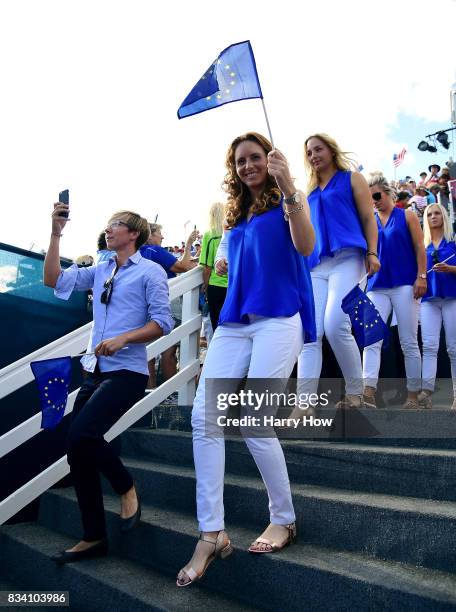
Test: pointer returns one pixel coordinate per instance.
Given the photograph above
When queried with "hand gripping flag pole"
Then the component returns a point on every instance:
(367, 324)
(231, 77)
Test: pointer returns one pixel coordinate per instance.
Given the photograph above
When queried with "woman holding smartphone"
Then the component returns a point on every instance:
(267, 314)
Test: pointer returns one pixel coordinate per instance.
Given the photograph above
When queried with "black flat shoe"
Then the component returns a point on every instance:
(97, 550)
(129, 523)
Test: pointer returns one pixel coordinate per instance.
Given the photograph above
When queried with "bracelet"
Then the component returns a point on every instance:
(296, 209)
(57, 235)
(372, 253)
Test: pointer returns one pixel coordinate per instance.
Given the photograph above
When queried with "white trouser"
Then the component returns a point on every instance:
(332, 279)
(433, 312)
(407, 311)
(266, 348)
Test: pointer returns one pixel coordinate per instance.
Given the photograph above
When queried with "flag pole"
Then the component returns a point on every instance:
(267, 123)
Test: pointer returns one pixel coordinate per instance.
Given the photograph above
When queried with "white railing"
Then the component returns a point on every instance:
(18, 374)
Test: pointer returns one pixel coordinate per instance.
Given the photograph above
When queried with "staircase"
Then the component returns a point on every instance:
(376, 527)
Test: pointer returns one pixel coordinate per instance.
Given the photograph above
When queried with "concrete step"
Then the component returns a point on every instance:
(301, 577)
(408, 529)
(114, 583)
(413, 472)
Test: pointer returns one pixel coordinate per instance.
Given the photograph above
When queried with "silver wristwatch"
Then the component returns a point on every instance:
(423, 275)
(293, 199)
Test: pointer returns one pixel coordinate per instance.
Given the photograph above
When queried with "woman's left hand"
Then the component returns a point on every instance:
(278, 169)
(443, 267)
(419, 288)
(373, 264)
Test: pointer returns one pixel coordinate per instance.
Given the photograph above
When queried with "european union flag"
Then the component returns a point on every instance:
(367, 324)
(231, 77)
(52, 377)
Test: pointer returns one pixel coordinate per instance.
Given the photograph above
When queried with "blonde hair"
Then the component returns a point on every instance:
(427, 229)
(377, 178)
(342, 159)
(216, 218)
(135, 223)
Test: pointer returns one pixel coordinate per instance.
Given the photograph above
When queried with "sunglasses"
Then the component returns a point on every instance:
(105, 297)
(435, 257)
(377, 196)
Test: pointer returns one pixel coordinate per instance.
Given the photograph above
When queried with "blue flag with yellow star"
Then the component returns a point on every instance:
(52, 377)
(231, 77)
(367, 324)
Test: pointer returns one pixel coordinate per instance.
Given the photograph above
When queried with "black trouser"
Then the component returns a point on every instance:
(215, 300)
(102, 399)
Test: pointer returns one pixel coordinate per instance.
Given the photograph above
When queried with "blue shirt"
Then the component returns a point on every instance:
(266, 274)
(159, 255)
(104, 255)
(139, 295)
(396, 253)
(441, 284)
(335, 218)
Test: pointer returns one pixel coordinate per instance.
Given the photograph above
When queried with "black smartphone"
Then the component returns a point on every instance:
(64, 198)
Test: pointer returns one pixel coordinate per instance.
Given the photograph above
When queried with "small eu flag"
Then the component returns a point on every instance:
(231, 77)
(52, 377)
(367, 324)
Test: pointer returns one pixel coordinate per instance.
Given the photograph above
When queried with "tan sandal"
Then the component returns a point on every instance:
(222, 549)
(274, 546)
(424, 399)
(411, 404)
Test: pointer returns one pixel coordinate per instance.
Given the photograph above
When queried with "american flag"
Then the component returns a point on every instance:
(398, 159)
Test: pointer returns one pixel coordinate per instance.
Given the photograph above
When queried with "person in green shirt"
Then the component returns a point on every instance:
(214, 286)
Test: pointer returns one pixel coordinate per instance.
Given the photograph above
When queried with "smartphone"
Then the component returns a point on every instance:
(64, 198)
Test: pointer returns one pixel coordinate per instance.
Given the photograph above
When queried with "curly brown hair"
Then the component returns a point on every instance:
(239, 199)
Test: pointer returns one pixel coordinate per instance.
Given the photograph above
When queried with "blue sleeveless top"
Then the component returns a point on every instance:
(266, 274)
(335, 218)
(441, 284)
(395, 252)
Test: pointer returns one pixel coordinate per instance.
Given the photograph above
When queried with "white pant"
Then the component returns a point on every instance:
(407, 311)
(332, 279)
(266, 348)
(433, 312)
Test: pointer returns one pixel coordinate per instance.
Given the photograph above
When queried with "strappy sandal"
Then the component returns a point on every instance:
(411, 404)
(425, 399)
(273, 546)
(369, 401)
(222, 549)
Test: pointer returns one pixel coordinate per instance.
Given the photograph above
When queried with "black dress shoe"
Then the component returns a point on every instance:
(128, 523)
(97, 550)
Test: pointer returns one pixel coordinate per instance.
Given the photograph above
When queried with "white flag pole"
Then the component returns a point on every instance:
(267, 122)
(444, 261)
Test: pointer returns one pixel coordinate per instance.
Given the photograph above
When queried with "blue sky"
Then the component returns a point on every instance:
(410, 130)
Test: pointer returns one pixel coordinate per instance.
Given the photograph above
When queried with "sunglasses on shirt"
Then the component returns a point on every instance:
(105, 297)
(377, 196)
(435, 258)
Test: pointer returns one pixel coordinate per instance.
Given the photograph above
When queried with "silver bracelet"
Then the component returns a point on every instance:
(296, 209)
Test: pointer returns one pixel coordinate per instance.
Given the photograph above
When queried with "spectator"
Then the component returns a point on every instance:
(403, 198)
(84, 261)
(412, 187)
(103, 253)
(423, 176)
(172, 266)
(196, 250)
(214, 285)
(434, 169)
(434, 191)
